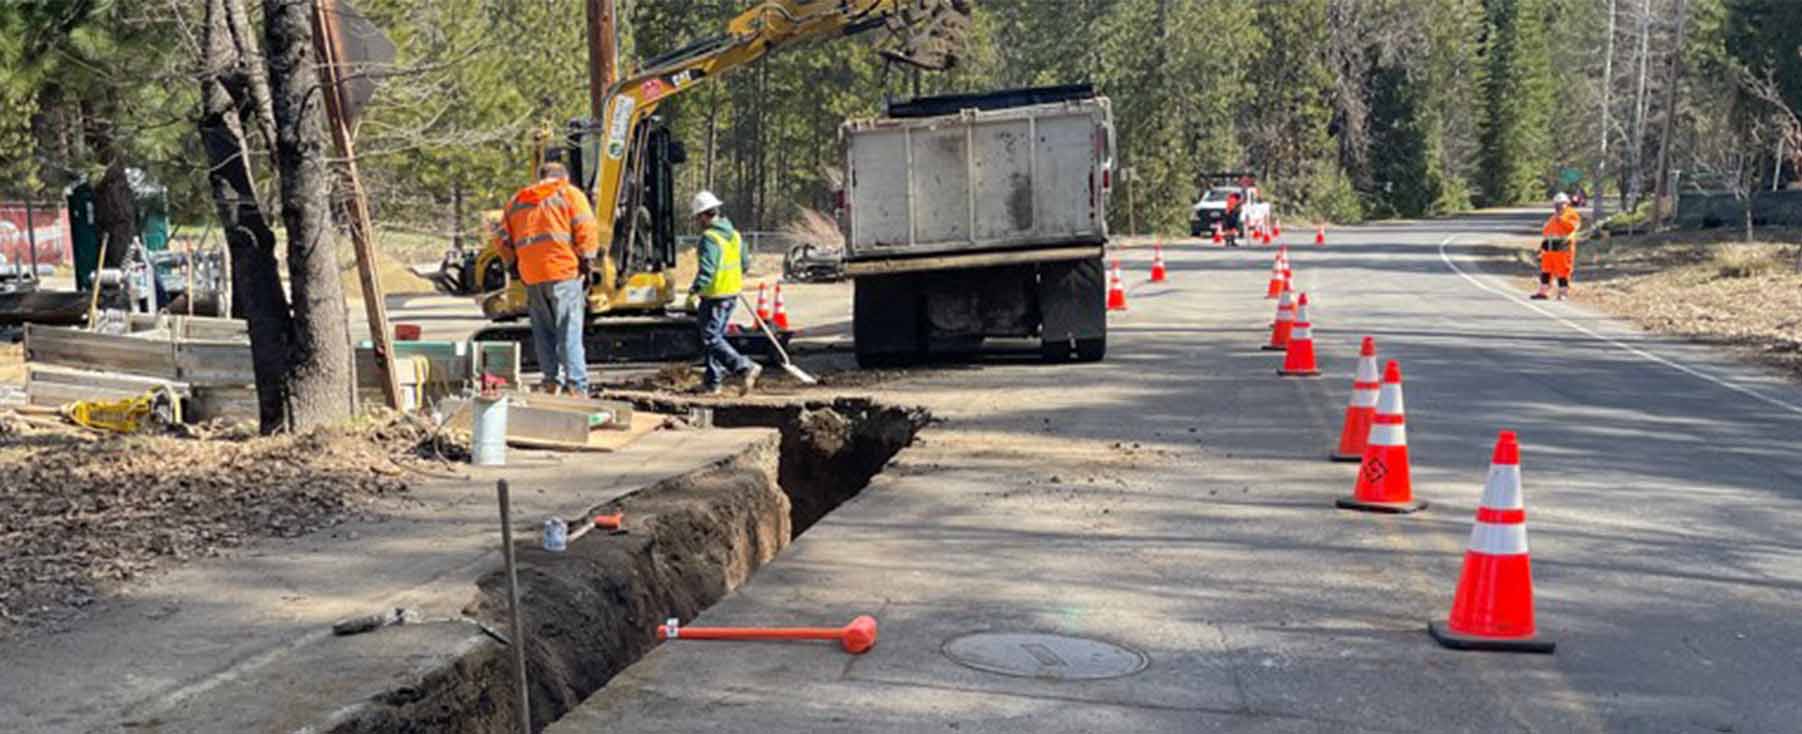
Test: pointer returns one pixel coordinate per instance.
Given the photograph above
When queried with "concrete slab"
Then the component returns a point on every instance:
(243, 643)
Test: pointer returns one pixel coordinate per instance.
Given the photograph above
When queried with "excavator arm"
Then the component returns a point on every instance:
(920, 32)
(923, 33)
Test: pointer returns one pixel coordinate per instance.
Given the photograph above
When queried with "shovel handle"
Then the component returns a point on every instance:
(774, 342)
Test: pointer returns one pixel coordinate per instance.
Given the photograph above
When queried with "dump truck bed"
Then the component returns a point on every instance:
(979, 180)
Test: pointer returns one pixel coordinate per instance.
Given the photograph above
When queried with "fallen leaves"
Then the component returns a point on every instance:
(79, 512)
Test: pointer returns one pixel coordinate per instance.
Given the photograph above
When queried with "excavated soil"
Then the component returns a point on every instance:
(689, 540)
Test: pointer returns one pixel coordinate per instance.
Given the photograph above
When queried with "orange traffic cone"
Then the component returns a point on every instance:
(1493, 608)
(1275, 287)
(1298, 359)
(1276, 229)
(780, 318)
(857, 637)
(1285, 323)
(1320, 236)
(1157, 264)
(1383, 482)
(1363, 406)
(763, 304)
(1116, 293)
(1218, 239)
(1266, 234)
(1288, 265)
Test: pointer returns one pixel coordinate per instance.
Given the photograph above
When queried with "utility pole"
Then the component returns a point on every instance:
(1598, 197)
(327, 45)
(1670, 116)
(603, 57)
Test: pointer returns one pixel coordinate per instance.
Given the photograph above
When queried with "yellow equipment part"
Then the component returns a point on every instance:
(158, 406)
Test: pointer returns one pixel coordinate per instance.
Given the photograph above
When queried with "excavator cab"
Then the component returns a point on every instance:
(645, 241)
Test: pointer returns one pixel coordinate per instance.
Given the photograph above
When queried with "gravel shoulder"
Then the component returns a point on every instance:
(1711, 287)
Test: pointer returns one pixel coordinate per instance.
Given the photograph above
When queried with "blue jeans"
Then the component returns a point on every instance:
(713, 316)
(558, 310)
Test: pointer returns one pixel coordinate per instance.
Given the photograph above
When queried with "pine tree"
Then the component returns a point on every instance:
(1520, 101)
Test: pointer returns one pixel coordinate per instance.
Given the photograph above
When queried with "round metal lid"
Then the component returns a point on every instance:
(1040, 655)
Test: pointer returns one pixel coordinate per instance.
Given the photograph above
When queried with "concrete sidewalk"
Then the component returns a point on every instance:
(244, 643)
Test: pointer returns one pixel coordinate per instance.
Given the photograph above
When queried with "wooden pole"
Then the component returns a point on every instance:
(518, 641)
(602, 57)
(326, 43)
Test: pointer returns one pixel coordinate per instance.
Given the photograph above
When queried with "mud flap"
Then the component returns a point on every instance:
(885, 320)
(1073, 304)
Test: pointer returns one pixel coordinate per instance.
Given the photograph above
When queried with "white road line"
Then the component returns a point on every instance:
(1748, 392)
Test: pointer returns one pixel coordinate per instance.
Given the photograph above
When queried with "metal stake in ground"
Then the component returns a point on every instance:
(518, 634)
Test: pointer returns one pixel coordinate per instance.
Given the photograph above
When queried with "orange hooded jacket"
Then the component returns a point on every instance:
(549, 227)
(1561, 263)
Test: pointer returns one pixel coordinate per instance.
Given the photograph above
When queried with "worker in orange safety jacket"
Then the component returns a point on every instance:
(1558, 251)
(550, 243)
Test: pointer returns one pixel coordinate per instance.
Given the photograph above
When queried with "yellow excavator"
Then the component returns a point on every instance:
(625, 162)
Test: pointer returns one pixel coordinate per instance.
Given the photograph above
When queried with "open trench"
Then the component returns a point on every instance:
(689, 540)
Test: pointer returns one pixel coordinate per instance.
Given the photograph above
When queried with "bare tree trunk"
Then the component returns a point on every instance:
(1660, 207)
(256, 284)
(1636, 179)
(319, 376)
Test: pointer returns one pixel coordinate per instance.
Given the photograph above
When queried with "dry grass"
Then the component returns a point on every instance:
(816, 229)
(12, 363)
(1709, 286)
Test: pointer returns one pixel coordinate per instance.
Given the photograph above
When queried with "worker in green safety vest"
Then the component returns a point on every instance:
(723, 263)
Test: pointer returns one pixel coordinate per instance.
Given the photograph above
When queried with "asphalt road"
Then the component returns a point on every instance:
(1176, 500)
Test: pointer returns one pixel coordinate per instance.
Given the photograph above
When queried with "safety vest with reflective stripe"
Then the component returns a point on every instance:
(728, 275)
(547, 224)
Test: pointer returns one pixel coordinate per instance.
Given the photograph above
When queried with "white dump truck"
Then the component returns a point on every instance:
(976, 217)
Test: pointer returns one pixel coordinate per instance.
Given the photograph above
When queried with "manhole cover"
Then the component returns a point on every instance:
(1038, 655)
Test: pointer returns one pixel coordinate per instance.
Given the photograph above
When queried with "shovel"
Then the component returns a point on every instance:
(787, 366)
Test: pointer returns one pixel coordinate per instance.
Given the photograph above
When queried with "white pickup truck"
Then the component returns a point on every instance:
(975, 217)
(1210, 212)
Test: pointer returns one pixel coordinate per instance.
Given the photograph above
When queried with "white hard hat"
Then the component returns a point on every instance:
(1561, 198)
(704, 201)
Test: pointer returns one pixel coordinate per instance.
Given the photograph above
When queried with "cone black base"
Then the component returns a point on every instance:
(1346, 457)
(1392, 508)
(1444, 634)
(1274, 348)
(1308, 373)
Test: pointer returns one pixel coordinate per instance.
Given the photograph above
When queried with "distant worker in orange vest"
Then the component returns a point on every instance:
(1558, 251)
(550, 243)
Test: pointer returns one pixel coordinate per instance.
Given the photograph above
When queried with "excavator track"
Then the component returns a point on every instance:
(619, 339)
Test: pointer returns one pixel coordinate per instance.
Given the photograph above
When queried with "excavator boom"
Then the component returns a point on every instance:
(924, 32)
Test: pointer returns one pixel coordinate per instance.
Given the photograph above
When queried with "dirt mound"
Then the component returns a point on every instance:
(81, 511)
(397, 279)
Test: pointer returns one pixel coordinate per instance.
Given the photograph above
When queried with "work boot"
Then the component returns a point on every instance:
(1544, 291)
(708, 390)
(1563, 293)
(751, 379)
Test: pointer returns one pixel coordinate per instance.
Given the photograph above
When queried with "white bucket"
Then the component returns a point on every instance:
(488, 443)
